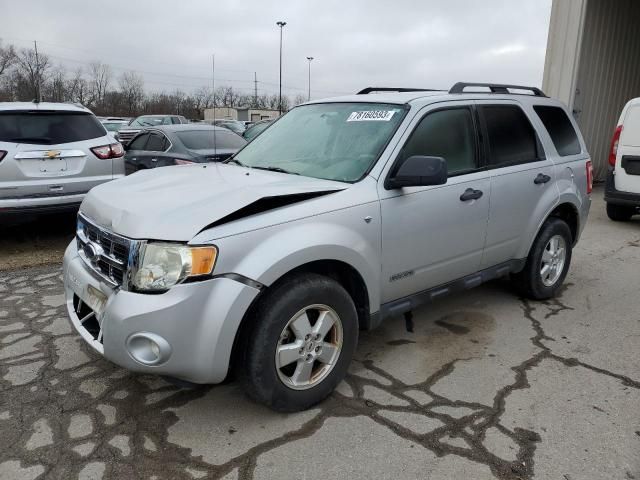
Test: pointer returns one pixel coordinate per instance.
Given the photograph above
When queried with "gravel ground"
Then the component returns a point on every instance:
(35, 241)
(489, 386)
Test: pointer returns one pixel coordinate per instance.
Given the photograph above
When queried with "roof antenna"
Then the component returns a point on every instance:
(213, 91)
(37, 99)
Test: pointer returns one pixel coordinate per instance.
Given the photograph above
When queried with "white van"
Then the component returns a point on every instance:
(622, 191)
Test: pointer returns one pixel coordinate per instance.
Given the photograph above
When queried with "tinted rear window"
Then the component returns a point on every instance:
(49, 128)
(512, 139)
(204, 139)
(560, 129)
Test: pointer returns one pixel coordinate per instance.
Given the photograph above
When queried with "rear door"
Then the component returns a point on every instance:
(522, 185)
(49, 153)
(135, 152)
(627, 171)
(155, 151)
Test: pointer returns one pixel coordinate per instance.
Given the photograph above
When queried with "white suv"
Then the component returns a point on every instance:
(51, 155)
(622, 192)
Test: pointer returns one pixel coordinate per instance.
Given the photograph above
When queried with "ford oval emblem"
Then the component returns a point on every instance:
(93, 252)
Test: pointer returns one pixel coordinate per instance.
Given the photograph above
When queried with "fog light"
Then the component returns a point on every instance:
(148, 348)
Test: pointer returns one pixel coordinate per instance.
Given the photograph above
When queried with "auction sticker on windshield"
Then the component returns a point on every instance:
(371, 116)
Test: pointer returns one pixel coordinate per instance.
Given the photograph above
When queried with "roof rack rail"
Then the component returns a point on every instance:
(368, 90)
(496, 88)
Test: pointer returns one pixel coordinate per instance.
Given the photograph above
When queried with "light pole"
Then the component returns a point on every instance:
(281, 25)
(309, 97)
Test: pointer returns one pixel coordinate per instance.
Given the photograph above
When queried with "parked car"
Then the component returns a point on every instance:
(340, 215)
(180, 145)
(125, 134)
(256, 129)
(234, 125)
(622, 188)
(113, 125)
(51, 155)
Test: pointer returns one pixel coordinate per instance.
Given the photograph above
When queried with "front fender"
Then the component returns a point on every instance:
(266, 255)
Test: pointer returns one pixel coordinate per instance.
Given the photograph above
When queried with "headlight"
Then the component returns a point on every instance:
(163, 265)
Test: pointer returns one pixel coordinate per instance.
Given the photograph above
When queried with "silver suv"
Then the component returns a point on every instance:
(342, 214)
(51, 155)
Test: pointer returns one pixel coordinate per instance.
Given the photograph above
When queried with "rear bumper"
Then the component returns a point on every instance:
(26, 206)
(616, 197)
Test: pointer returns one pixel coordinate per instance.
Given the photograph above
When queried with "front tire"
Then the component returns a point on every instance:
(304, 334)
(548, 261)
(619, 213)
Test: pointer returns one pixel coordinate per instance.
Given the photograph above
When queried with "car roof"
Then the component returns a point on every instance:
(186, 127)
(428, 97)
(63, 107)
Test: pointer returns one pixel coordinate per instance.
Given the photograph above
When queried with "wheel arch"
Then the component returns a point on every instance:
(342, 272)
(566, 211)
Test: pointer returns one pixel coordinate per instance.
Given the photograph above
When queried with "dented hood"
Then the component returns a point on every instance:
(175, 203)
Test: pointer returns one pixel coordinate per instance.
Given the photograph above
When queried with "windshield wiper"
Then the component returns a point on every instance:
(233, 160)
(276, 169)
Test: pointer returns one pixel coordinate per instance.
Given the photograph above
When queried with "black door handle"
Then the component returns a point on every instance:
(541, 178)
(470, 194)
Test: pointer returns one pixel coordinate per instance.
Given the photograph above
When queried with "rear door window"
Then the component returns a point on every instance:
(49, 127)
(560, 130)
(156, 143)
(139, 142)
(511, 137)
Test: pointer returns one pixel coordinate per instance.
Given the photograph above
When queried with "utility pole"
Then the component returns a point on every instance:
(309, 97)
(37, 79)
(255, 89)
(281, 25)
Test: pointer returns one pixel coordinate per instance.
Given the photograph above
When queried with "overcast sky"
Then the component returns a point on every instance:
(355, 43)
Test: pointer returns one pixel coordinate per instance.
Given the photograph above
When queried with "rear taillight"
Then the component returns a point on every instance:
(589, 176)
(613, 152)
(3, 153)
(105, 152)
(183, 162)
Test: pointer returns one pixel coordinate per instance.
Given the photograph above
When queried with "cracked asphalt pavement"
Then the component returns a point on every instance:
(489, 386)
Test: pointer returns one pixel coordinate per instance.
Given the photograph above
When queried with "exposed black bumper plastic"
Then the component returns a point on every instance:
(616, 197)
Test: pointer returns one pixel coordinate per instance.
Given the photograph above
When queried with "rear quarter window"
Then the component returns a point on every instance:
(49, 128)
(560, 129)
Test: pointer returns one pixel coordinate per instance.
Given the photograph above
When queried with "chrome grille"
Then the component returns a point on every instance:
(125, 136)
(103, 251)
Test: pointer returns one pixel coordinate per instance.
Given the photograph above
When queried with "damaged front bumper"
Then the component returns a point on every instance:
(187, 332)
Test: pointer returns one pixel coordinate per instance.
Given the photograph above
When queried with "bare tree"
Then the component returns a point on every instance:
(297, 100)
(201, 100)
(7, 57)
(77, 89)
(56, 88)
(132, 91)
(99, 79)
(32, 68)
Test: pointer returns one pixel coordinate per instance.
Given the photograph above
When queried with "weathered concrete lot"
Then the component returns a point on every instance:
(489, 386)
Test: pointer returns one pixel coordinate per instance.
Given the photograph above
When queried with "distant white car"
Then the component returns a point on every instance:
(51, 155)
(622, 192)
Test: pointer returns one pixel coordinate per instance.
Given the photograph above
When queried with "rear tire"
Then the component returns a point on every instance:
(619, 213)
(304, 333)
(548, 261)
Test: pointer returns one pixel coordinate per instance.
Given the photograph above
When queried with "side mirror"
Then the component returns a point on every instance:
(418, 171)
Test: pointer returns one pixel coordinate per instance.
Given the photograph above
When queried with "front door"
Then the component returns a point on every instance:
(433, 235)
